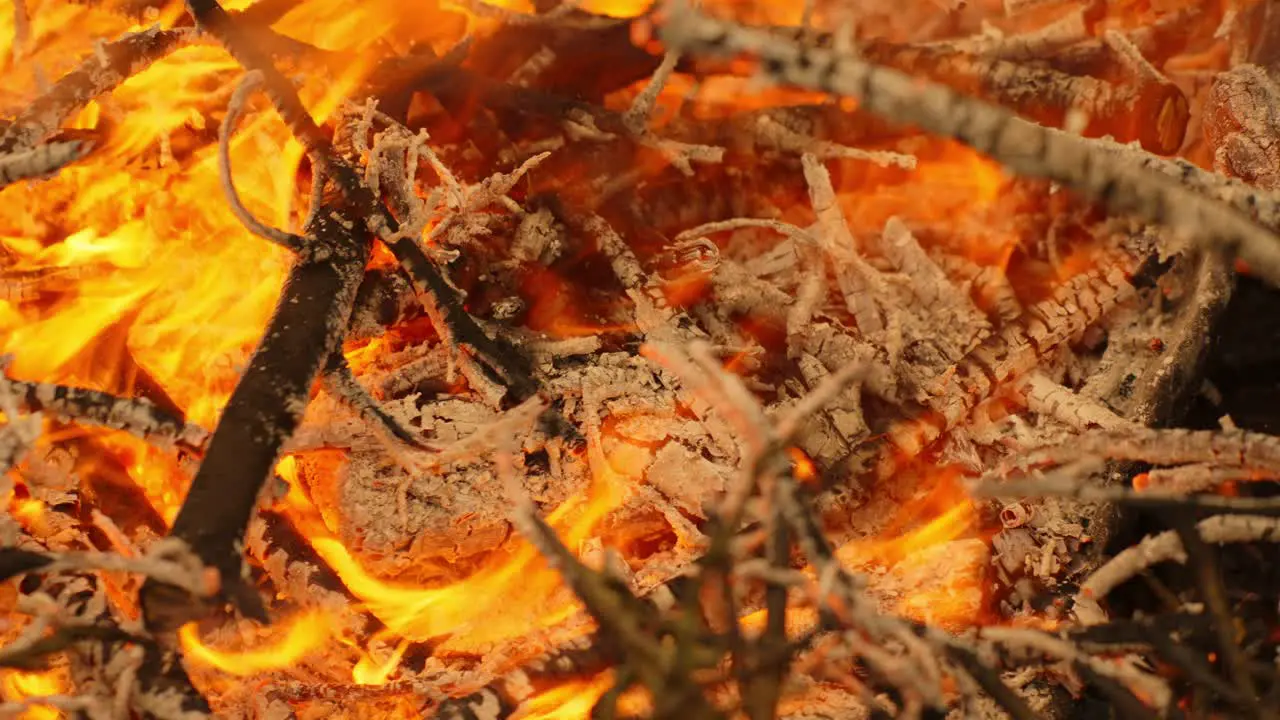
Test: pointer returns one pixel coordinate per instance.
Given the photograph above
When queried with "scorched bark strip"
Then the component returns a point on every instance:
(137, 416)
(262, 413)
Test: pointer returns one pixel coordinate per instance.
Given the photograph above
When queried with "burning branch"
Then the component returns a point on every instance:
(1152, 111)
(19, 432)
(262, 414)
(42, 160)
(112, 64)
(235, 108)
(1256, 453)
(163, 570)
(1165, 547)
(137, 416)
(1024, 147)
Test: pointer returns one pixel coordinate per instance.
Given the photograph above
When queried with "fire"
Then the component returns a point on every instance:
(28, 511)
(942, 514)
(146, 280)
(933, 549)
(158, 268)
(17, 686)
(303, 635)
(501, 601)
(569, 701)
(612, 8)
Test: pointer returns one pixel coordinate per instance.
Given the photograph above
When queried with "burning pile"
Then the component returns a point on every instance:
(593, 358)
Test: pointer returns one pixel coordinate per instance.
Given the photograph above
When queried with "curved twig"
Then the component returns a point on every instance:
(235, 109)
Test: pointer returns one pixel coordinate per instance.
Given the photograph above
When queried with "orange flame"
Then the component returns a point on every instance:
(569, 701)
(937, 527)
(303, 635)
(480, 609)
(17, 686)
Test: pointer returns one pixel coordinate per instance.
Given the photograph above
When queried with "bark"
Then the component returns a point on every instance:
(42, 160)
(137, 416)
(1152, 112)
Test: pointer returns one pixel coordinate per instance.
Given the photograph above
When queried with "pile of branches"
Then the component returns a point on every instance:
(682, 643)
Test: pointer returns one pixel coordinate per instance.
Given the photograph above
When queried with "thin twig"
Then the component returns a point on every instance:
(235, 109)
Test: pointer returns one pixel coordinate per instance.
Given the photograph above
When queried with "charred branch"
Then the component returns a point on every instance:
(262, 414)
(137, 416)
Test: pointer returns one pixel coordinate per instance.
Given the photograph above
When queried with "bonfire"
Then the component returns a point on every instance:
(610, 359)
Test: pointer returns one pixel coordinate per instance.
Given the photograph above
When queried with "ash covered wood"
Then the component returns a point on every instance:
(730, 337)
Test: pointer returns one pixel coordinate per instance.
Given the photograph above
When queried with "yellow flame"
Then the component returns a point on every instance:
(470, 606)
(16, 686)
(502, 600)
(617, 8)
(950, 525)
(28, 511)
(304, 634)
(569, 701)
(368, 671)
(144, 270)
